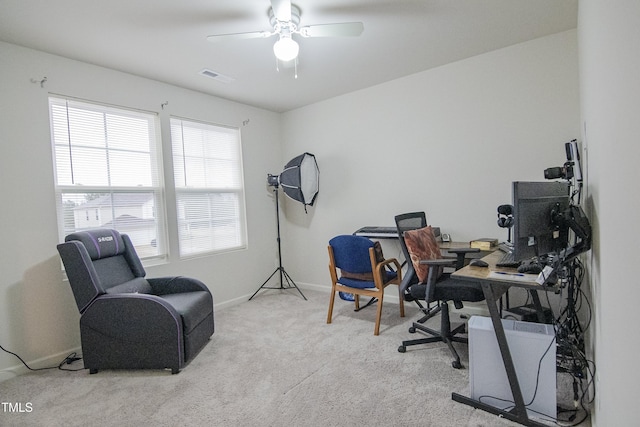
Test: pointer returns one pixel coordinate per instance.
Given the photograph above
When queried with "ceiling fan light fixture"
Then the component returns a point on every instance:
(286, 48)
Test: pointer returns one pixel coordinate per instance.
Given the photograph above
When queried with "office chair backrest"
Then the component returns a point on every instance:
(406, 222)
(411, 221)
(101, 261)
(351, 253)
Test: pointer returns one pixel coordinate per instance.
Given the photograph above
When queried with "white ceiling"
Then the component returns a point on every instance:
(166, 40)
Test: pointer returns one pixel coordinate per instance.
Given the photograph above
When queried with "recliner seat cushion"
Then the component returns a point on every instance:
(194, 307)
(139, 285)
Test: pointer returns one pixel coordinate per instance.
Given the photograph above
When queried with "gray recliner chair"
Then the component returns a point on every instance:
(127, 321)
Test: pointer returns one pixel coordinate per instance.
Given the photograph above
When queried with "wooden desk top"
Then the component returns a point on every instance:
(493, 274)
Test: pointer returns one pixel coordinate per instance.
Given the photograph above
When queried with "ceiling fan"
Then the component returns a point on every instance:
(284, 17)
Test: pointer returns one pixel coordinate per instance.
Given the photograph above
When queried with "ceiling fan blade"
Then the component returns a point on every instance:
(239, 36)
(281, 9)
(345, 29)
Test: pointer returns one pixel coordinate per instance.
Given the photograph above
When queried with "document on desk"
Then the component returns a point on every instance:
(517, 277)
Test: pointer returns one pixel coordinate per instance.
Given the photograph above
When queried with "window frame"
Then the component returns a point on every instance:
(193, 190)
(158, 247)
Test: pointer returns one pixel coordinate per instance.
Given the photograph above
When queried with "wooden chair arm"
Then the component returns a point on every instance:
(380, 269)
(389, 261)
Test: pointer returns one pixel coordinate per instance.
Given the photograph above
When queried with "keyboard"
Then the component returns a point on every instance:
(508, 260)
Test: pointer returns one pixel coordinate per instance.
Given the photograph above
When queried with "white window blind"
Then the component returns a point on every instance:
(207, 161)
(107, 168)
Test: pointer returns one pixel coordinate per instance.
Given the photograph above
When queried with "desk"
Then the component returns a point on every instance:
(493, 287)
(378, 232)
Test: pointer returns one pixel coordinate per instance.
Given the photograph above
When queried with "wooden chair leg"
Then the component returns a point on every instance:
(401, 299)
(378, 314)
(331, 301)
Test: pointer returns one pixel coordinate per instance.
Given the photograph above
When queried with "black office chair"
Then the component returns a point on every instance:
(425, 281)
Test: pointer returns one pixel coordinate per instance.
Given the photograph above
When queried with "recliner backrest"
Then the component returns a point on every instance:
(101, 261)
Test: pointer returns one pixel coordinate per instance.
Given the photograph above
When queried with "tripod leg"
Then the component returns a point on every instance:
(264, 283)
(283, 274)
(290, 282)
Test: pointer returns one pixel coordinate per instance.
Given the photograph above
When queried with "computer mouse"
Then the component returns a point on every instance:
(478, 263)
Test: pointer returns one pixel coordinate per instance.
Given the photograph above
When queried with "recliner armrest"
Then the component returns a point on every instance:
(126, 319)
(176, 285)
(121, 314)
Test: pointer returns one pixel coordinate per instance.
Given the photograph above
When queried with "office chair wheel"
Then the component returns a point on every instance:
(412, 330)
(402, 349)
(456, 364)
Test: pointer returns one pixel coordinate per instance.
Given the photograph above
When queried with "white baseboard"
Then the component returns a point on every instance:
(469, 309)
(44, 362)
(231, 303)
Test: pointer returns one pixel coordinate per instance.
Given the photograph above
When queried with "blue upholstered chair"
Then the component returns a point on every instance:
(363, 271)
(127, 321)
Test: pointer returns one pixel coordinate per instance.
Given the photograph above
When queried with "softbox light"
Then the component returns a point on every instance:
(300, 179)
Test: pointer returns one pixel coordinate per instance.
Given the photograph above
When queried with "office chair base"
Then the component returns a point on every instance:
(448, 338)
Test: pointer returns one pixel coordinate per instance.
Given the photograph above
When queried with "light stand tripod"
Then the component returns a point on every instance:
(280, 269)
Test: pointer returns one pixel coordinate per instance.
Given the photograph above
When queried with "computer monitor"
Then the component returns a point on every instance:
(534, 207)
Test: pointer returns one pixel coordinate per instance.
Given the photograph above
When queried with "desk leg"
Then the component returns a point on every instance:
(519, 412)
(519, 409)
(537, 305)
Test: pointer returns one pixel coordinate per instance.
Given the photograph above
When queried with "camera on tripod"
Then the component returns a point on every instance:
(571, 169)
(562, 172)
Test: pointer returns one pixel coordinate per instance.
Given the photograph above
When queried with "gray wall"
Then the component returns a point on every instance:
(459, 133)
(609, 40)
(38, 316)
(448, 141)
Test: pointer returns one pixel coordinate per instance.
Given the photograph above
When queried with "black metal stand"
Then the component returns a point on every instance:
(284, 276)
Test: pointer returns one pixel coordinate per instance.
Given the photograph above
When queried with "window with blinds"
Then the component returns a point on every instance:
(108, 171)
(207, 162)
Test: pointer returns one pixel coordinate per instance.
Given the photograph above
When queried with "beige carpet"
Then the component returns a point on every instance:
(273, 361)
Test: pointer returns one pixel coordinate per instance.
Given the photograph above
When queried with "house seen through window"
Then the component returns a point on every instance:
(107, 171)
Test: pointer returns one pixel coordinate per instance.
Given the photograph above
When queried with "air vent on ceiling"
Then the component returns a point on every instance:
(216, 76)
